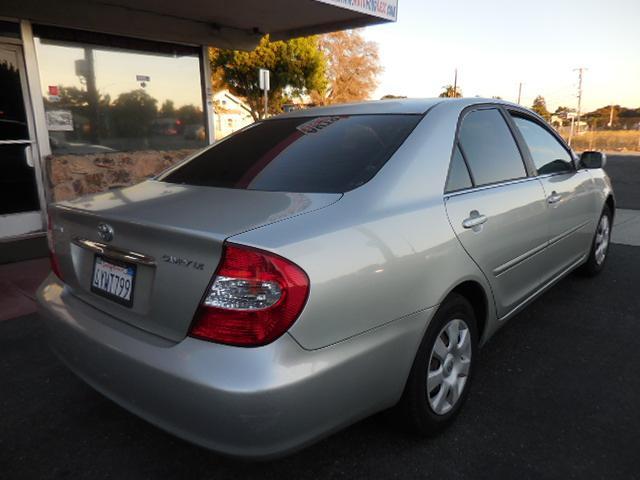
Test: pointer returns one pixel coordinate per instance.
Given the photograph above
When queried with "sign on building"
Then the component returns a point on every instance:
(387, 9)
(59, 120)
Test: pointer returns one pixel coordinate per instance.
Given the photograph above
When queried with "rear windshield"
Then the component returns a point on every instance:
(331, 154)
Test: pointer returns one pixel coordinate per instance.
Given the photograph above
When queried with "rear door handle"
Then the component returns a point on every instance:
(554, 198)
(475, 220)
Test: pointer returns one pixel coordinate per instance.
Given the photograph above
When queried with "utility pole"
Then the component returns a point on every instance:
(87, 70)
(580, 72)
(266, 103)
(571, 129)
(455, 84)
(519, 92)
(610, 124)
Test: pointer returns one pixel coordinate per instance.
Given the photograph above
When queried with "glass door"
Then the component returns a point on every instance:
(19, 202)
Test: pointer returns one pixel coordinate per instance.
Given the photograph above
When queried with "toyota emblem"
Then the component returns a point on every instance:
(105, 232)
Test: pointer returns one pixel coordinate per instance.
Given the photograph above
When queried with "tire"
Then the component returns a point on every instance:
(426, 408)
(599, 253)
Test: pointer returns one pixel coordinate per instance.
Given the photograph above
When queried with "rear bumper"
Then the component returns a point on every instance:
(248, 402)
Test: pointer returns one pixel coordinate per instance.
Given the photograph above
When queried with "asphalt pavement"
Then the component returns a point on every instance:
(624, 171)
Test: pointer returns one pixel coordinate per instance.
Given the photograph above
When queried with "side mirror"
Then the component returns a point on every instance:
(590, 159)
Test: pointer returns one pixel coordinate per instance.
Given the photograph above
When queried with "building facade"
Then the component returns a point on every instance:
(95, 96)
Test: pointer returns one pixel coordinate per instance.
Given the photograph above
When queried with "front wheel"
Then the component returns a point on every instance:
(599, 246)
(443, 368)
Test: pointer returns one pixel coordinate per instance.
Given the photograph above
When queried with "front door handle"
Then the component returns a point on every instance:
(554, 198)
(475, 220)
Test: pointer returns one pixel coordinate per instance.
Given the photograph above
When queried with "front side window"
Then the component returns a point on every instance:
(548, 154)
(489, 148)
(328, 154)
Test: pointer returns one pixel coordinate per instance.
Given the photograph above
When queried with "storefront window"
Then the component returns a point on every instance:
(122, 95)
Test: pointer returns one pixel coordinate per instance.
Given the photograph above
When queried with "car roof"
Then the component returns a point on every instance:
(391, 106)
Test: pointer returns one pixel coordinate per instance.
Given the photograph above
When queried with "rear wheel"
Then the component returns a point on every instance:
(443, 368)
(599, 246)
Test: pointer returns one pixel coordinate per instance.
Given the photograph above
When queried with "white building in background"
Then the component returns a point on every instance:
(231, 113)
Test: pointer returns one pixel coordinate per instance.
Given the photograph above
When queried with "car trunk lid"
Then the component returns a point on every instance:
(173, 237)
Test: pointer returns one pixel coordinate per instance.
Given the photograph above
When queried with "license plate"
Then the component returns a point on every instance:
(114, 280)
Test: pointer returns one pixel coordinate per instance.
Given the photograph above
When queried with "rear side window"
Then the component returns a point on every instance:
(489, 147)
(548, 154)
(458, 178)
(330, 154)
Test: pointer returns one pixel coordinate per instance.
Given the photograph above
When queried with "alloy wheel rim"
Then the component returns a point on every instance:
(602, 239)
(448, 367)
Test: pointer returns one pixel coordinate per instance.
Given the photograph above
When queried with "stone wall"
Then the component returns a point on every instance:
(71, 176)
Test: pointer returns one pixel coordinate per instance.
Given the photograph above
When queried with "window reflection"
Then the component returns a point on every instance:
(104, 99)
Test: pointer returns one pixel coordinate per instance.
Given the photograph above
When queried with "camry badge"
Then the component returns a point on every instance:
(182, 262)
(105, 232)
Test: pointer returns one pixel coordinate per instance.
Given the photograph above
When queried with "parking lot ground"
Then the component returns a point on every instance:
(626, 229)
(624, 171)
(18, 284)
(556, 396)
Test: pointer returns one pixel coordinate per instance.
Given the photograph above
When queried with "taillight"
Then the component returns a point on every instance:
(254, 298)
(53, 259)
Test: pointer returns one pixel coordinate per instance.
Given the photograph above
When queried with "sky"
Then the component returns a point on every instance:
(497, 44)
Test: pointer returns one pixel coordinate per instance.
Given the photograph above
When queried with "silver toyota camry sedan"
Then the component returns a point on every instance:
(321, 266)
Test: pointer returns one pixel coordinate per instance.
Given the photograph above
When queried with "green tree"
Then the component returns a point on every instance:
(133, 112)
(602, 115)
(562, 110)
(168, 109)
(450, 92)
(190, 114)
(540, 107)
(297, 66)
